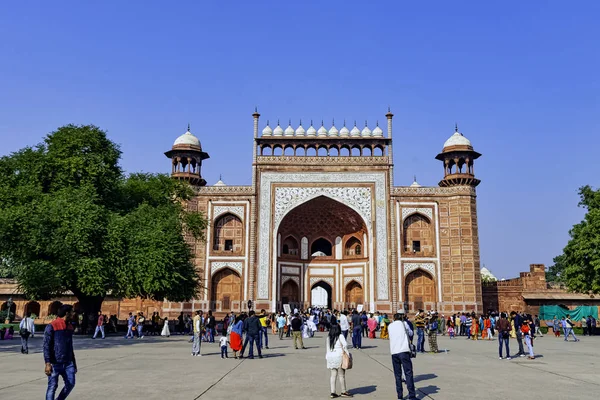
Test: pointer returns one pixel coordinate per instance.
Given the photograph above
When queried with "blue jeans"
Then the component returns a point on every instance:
(569, 331)
(252, 339)
(223, 351)
(420, 340)
(345, 334)
(129, 332)
(99, 329)
(529, 344)
(402, 361)
(259, 343)
(209, 335)
(505, 340)
(140, 329)
(24, 343)
(356, 337)
(67, 371)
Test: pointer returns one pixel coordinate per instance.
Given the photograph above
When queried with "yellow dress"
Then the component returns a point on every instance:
(384, 332)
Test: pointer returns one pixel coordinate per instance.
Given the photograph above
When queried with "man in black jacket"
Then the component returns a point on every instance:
(518, 321)
(252, 328)
(297, 331)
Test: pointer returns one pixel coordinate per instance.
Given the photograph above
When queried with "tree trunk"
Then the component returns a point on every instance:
(88, 305)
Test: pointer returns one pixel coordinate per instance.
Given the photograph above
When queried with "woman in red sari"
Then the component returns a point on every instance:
(235, 337)
(372, 324)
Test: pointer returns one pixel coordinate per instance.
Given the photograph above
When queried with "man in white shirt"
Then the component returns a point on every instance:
(344, 324)
(399, 333)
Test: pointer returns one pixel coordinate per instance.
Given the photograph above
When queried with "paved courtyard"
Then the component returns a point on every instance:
(162, 368)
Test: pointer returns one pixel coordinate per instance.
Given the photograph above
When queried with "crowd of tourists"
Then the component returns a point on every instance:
(246, 335)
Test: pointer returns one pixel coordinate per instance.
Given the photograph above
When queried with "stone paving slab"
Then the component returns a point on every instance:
(163, 368)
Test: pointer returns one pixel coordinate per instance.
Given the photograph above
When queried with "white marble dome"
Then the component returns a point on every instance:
(220, 183)
(187, 139)
(311, 131)
(322, 131)
(289, 131)
(333, 131)
(355, 132)
(377, 132)
(278, 131)
(344, 132)
(366, 132)
(300, 130)
(267, 131)
(457, 140)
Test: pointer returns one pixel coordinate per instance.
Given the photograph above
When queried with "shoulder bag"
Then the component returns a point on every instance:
(24, 332)
(412, 348)
(346, 360)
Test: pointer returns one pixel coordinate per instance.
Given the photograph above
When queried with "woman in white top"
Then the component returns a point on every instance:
(336, 346)
(26, 329)
(165, 330)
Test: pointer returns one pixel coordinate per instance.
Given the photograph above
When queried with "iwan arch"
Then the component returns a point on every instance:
(323, 224)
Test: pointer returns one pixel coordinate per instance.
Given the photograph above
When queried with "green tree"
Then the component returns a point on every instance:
(579, 265)
(70, 220)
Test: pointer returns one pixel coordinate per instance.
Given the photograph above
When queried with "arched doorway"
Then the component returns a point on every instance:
(290, 294)
(226, 288)
(33, 307)
(354, 294)
(321, 295)
(53, 307)
(324, 226)
(420, 291)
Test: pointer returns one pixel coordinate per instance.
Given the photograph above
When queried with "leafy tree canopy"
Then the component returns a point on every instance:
(70, 220)
(579, 265)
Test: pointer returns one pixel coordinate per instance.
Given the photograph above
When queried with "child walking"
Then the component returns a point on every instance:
(451, 331)
(223, 343)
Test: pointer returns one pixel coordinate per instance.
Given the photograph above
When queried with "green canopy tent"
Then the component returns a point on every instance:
(547, 313)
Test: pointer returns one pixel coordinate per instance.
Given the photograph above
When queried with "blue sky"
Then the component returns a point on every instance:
(520, 78)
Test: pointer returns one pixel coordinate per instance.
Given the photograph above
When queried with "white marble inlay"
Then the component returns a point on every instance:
(326, 280)
(304, 248)
(290, 270)
(353, 271)
(321, 271)
(235, 210)
(217, 265)
(350, 196)
(406, 211)
(429, 267)
(349, 279)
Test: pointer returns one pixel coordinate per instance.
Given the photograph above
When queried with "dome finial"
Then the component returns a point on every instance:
(333, 121)
(300, 121)
(354, 122)
(188, 127)
(311, 122)
(220, 177)
(377, 123)
(456, 127)
(267, 122)
(414, 178)
(277, 121)
(344, 122)
(366, 124)
(290, 122)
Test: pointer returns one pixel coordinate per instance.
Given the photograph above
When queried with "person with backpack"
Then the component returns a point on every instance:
(26, 330)
(568, 327)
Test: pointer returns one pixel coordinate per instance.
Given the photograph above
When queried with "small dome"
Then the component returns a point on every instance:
(187, 139)
(415, 183)
(486, 273)
(322, 131)
(333, 131)
(300, 130)
(267, 131)
(355, 131)
(344, 132)
(289, 131)
(377, 132)
(311, 131)
(366, 132)
(278, 131)
(457, 140)
(220, 183)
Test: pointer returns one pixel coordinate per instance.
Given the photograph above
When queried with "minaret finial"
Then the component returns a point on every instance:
(389, 109)
(255, 109)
